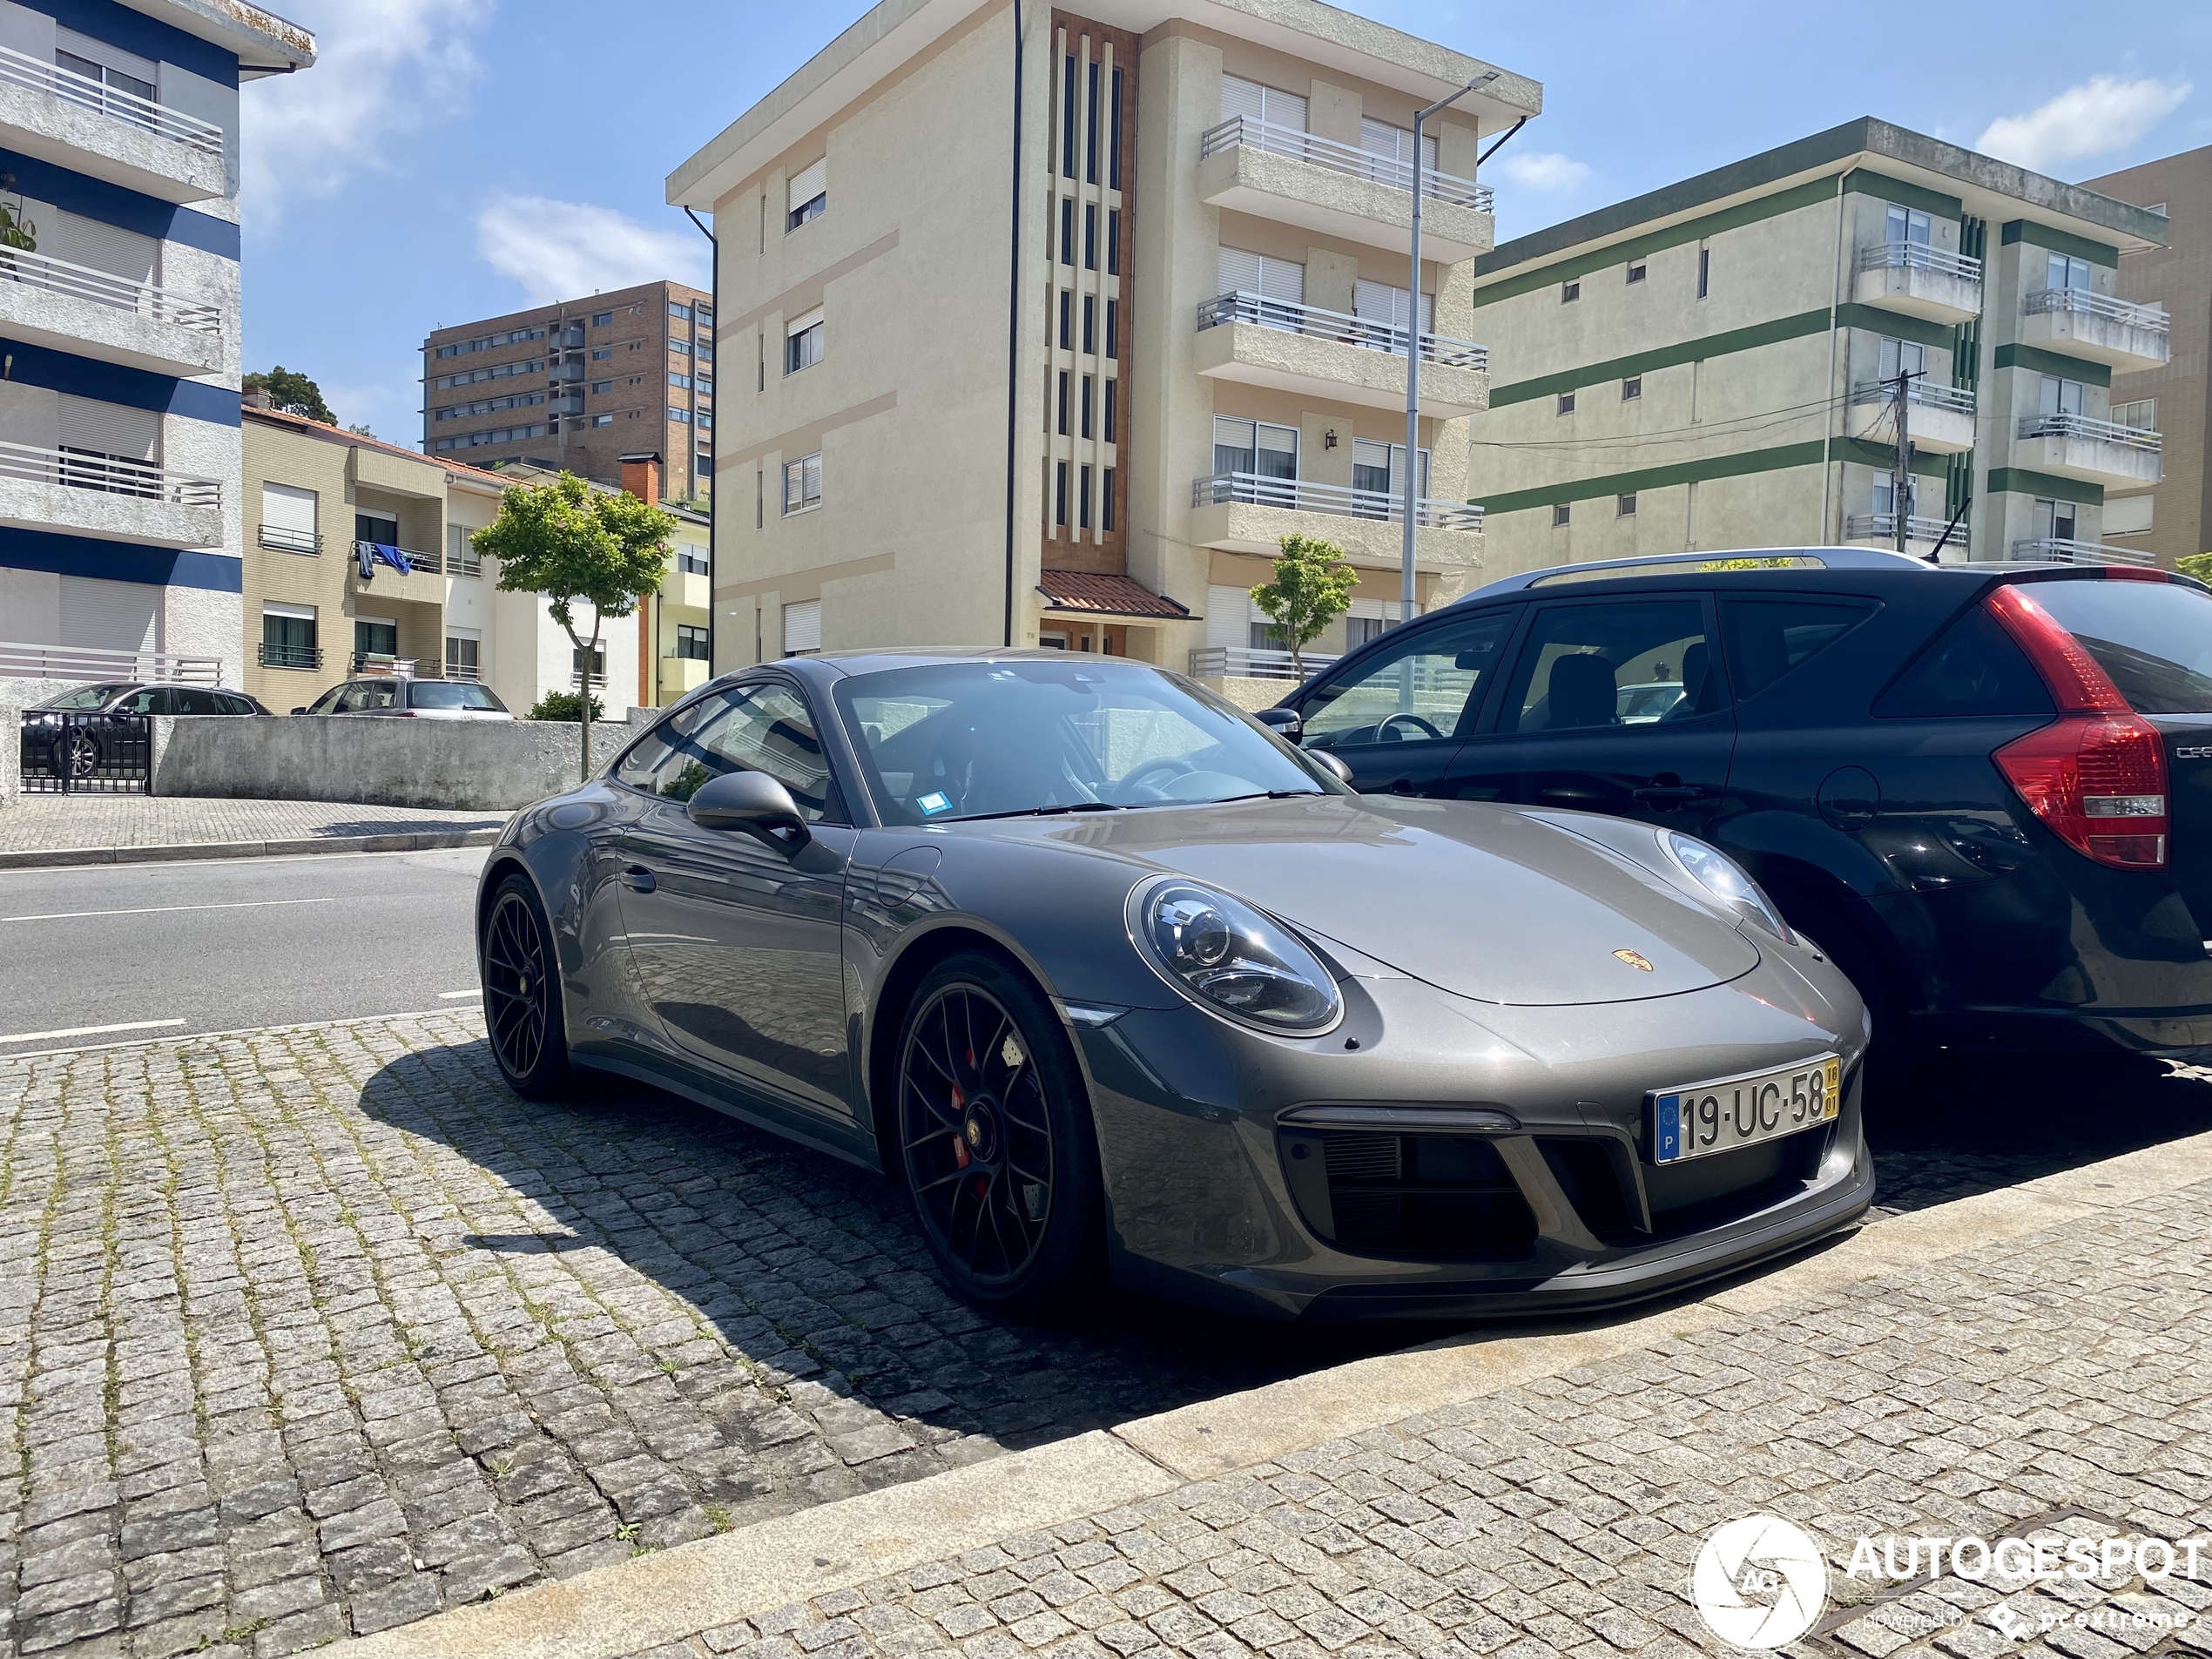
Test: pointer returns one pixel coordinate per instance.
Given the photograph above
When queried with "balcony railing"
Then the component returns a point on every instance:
(2080, 426)
(20, 69)
(373, 662)
(112, 475)
(1917, 256)
(1317, 324)
(2082, 302)
(1217, 662)
(1241, 132)
(285, 541)
(2053, 550)
(90, 663)
(1301, 496)
(1868, 527)
(419, 564)
(82, 282)
(1958, 398)
(289, 656)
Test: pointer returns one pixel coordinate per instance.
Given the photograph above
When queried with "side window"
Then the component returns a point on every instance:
(1768, 637)
(194, 701)
(1972, 668)
(1430, 685)
(1626, 664)
(754, 728)
(330, 701)
(151, 701)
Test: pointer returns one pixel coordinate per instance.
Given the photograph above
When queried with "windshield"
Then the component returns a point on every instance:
(87, 696)
(2154, 638)
(453, 694)
(953, 740)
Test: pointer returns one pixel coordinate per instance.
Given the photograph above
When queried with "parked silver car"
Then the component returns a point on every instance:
(424, 700)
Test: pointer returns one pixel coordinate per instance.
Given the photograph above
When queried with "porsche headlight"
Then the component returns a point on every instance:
(1728, 881)
(1236, 960)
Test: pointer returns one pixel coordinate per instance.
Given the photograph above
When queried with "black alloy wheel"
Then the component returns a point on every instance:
(80, 754)
(996, 1139)
(522, 998)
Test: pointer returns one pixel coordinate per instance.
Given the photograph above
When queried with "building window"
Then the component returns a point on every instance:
(603, 319)
(1567, 402)
(288, 519)
(600, 388)
(1106, 497)
(374, 637)
(600, 353)
(1067, 335)
(1082, 500)
(2060, 396)
(2142, 413)
(1063, 427)
(1087, 394)
(1114, 138)
(1068, 118)
(288, 636)
(1632, 387)
(1060, 493)
(1113, 232)
(1090, 236)
(1625, 506)
(463, 661)
(691, 561)
(1112, 316)
(2065, 271)
(1110, 386)
(804, 342)
(1090, 322)
(1067, 230)
(1636, 272)
(1254, 447)
(677, 308)
(802, 483)
(808, 196)
(1090, 130)
(1559, 514)
(598, 665)
(1569, 293)
(682, 417)
(603, 420)
(1907, 224)
(1704, 272)
(681, 382)
(2053, 520)
(462, 558)
(1896, 357)
(691, 643)
(681, 348)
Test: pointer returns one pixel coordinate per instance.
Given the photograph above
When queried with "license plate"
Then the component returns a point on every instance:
(1700, 1119)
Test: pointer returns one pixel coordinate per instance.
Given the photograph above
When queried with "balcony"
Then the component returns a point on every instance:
(74, 122)
(289, 656)
(2053, 550)
(419, 582)
(2098, 452)
(1237, 662)
(1242, 512)
(1938, 419)
(79, 493)
(1339, 190)
(1879, 529)
(1329, 355)
(1919, 280)
(19, 660)
(2098, 326)
(682, 674)
(285, 541)
(74, 308)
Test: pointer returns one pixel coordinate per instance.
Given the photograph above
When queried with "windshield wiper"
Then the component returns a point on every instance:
(1258, 794)
(1042, 812)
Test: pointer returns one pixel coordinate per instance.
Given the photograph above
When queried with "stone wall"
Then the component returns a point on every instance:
(16, 696)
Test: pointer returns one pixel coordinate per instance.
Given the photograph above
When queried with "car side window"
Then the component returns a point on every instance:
(149, 701)
(1587, 667)
(372, 699)
(328, 702)
(1767, 639)
(751, 728)
(1430, 686)
(192, 700)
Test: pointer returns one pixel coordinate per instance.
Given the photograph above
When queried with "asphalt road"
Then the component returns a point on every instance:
(169, 950)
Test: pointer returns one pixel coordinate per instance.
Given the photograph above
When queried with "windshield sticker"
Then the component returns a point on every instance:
(934, 803)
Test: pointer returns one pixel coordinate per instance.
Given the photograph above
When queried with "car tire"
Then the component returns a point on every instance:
(522, 989)
(77, 754)
(995, 1142)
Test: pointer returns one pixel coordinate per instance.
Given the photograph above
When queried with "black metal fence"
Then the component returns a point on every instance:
(77, 751)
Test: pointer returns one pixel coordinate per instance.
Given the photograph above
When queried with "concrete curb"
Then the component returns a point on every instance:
(669, 1596)
(408, 841)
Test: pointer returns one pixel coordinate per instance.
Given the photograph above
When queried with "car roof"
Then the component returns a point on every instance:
(839, 665)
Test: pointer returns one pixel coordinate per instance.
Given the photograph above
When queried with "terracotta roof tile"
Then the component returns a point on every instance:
(1107, 595)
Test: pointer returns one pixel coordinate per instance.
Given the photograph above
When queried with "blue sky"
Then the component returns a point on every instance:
(455, 158)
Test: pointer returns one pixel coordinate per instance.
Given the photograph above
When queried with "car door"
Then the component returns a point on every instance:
(1611, 706)
(734, 937)
(1397, 714)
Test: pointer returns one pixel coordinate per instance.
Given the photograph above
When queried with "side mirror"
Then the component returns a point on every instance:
(301, 710)
(746, 800)
(1329, 762)
(1286, 723)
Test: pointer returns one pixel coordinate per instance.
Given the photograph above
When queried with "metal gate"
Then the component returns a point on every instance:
(81, 751)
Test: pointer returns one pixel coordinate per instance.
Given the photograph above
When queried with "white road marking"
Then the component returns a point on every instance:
(91, 1030)
(447, 996)
(164, 909)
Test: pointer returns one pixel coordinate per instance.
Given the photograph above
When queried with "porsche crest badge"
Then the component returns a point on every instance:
(1635, 959)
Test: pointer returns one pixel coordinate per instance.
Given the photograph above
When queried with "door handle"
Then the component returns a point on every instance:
(637, 879)
(1665, 795)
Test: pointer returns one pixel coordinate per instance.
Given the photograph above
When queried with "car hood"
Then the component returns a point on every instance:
(1483, 901)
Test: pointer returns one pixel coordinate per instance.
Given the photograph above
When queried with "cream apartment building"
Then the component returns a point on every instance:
(1712, 365)
(1091, 432)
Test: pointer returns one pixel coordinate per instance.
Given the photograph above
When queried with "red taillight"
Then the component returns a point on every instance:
(2096, 775)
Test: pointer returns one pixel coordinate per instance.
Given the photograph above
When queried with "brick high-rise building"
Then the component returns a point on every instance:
(579, 385)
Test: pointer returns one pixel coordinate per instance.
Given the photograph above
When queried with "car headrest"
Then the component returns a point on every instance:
(1583, 692)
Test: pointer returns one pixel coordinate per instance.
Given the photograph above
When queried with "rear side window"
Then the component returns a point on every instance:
(192, 700)
(1973, 668)
(1766, 638)
(2154, 638)
(1606, 665)
(453, 694)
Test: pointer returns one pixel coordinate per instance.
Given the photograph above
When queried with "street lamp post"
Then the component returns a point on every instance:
(1413, 357)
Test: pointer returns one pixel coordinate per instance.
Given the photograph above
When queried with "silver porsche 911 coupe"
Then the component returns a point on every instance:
(1117, 981)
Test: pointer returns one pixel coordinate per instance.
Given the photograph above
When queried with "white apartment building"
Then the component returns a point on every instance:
(1078, 400)
(120, 518)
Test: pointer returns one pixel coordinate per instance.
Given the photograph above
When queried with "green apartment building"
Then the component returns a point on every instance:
(1714, 365)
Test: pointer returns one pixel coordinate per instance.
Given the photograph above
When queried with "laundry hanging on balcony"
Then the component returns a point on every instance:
(371, 553)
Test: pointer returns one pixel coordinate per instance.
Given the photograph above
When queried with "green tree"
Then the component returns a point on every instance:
(571, 541)
(291, 392)
(2196, 565)
(1311, 588)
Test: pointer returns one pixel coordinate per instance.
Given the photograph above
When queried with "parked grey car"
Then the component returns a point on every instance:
(1114, 980)
(424, 700)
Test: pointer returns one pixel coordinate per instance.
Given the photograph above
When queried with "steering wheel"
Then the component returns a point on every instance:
(1384, 734)
(1174, 765)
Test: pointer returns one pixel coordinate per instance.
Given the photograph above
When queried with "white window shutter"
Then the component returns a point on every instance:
(107, 56)
(1278, 440)
(103, 247)
(107, 428)
(297, 613)
(803, 626)
(1239, 272)
(1240, 97)
(284, 507)
(110, 616)
(808, 183)
(1283, 279)
(1228, 616)
(800, 324)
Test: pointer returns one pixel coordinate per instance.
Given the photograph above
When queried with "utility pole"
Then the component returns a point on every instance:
(1901, 474)
(1413, 357)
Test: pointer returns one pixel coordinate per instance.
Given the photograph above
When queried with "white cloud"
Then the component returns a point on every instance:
(1543, 170)
(2100, 115)
(558, 250)
(383, 66)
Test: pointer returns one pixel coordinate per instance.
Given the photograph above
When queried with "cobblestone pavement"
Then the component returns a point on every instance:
(38, 823)
(321, 1330)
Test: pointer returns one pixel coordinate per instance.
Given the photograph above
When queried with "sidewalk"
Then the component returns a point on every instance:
(45, 830)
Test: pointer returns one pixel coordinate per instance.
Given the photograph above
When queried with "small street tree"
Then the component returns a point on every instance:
(1312, 587)
(293, 392)
(571, 541)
